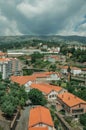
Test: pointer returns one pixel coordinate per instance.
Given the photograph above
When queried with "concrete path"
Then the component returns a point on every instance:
(23, 120)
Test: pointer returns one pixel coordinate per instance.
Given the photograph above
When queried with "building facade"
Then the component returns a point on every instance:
(10, 66)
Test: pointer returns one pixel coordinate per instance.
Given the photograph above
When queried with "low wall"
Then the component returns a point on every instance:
(5, 124)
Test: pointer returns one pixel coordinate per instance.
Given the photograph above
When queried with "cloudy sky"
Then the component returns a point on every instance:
(37, 17)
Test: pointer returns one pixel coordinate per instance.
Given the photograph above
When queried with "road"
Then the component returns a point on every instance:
(23, 121)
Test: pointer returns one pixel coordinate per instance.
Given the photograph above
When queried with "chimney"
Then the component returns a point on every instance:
(75, 97)
(68, 98)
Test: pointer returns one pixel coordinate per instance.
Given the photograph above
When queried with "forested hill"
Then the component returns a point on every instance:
(17, 41)
(10, 39)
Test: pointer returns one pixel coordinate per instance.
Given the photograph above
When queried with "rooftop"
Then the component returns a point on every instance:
(21, 80)
(70, 99)
(38, 128)
(46, 88)
(38, 115)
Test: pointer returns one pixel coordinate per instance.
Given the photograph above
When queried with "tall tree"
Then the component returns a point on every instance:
(36, 97)
(69, 73)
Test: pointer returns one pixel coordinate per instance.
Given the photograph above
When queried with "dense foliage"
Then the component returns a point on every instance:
(11, 97)
(76, 89)
(83, 120)
(35, 56)
(77, 55)
(36, 97)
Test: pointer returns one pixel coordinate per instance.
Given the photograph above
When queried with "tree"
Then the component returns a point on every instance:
(8, 105)
(83, 120)
(36, 97)
(36, 56)
(11, 100)
(52, 67)
(69, 73)
(8, 108)
(69, 87)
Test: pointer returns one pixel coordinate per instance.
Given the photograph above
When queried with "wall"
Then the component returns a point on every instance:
(5, 125)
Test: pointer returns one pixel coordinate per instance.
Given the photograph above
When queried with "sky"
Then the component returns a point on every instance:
(42, 17)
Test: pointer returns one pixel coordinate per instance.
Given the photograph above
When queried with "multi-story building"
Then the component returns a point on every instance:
(73, 105)
(16, 66)
(9, 66)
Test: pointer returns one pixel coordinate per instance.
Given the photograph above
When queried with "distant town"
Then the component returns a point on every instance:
(42, 84)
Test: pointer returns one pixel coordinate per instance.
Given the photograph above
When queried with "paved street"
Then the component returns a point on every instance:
(23, 121)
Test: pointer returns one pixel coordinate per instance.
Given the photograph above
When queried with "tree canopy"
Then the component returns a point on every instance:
(36, 97)
(11, 97)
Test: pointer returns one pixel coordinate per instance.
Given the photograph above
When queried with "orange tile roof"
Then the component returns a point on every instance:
(21, 80)
(38, 115)
(2, 53)
(46, 88)
(4, 59)
(38, 128)
(64, 67)
(44, 74)
(70, 99)
(54, 57)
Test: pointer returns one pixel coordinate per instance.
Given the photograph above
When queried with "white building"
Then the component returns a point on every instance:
(74, 70)
(49, 91)
(9, 66)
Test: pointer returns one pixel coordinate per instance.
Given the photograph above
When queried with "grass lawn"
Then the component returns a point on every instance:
(63, 85)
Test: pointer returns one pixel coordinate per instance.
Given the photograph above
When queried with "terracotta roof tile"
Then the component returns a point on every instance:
(4, 59)
(40, 115)
(38, 128)
(46, 88)
(44, 74)
(2, 54)
(24, 79)
(70, 99)
(21, 80)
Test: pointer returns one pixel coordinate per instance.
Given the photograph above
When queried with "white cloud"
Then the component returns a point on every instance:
(8, 27)
(42, 17)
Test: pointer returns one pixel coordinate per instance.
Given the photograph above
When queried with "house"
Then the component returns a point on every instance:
(50, 91)
(35, 78)
(73, 105)
(55, 49)
(38, 128)
(64, 69)
(40, 119)
(84, 71)
(74, 70)
(47, 76)
(3, 55)
(53, 58)
(23, 80)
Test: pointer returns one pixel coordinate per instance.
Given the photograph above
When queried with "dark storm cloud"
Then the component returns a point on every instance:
(42, 17)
